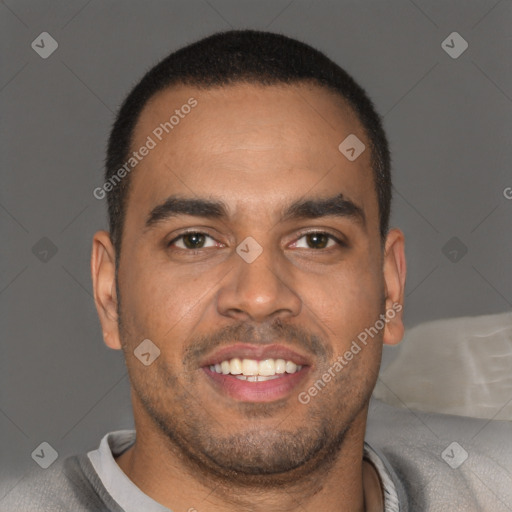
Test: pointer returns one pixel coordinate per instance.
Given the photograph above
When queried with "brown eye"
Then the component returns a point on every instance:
(316, 240)
(192, 240)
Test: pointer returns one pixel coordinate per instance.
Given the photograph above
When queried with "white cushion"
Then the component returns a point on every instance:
(459, 366)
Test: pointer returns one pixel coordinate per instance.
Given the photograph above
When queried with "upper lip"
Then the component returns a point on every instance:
(260, 352)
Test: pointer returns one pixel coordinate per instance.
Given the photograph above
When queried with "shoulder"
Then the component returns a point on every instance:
(68, 484)
(445, 462)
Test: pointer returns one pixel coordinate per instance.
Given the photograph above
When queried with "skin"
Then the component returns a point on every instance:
(257, 149)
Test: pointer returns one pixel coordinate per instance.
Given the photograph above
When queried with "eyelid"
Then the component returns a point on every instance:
(194, 231)
(339, 240)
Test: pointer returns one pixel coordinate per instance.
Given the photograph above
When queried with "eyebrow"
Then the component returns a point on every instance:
(175, 205)
(337, 206)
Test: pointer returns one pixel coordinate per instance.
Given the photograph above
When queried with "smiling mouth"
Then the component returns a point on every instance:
(253, 370)
(256, 373)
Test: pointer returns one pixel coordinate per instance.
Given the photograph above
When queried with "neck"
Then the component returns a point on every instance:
(165, 474)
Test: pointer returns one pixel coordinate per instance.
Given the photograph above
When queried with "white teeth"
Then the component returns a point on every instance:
(226, 367)
(250, 367)
(256, 378)
(280, 365)
(291, 367)
(267, 367)
(253, 370)
(235, 366)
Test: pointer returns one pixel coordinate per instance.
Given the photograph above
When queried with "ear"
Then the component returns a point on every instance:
(394, 277)
(103, 270)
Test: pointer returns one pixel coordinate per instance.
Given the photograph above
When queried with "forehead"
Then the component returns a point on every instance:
(249, 145)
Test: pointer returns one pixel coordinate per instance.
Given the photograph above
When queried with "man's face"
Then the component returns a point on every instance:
(203, 298)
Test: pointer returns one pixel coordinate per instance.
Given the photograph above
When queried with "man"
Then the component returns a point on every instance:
(250, 278)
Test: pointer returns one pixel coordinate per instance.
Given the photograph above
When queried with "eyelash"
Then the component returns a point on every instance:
(192, 232)
(339, 242)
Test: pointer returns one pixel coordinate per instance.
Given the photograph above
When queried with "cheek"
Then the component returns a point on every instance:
(160, 303)
(348, 309)
(347, 299)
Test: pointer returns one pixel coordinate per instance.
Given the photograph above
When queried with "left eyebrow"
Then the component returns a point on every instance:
(337, 206)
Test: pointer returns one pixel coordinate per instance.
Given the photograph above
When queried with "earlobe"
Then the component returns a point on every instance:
(103, 271)
(394, 276)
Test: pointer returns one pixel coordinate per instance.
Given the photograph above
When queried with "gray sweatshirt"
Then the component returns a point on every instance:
(426, 462)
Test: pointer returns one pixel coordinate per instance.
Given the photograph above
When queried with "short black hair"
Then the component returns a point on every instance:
(242, 56)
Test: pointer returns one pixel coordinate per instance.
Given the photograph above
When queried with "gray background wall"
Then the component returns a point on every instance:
(449, 123)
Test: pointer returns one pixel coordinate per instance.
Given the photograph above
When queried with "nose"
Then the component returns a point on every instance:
(258, 291)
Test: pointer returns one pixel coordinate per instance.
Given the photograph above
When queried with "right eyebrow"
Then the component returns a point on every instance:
(175, 205)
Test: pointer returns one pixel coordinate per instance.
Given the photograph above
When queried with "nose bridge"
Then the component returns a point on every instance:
(256, 289)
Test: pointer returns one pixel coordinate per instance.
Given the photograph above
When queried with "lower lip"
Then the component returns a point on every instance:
(265, 391)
